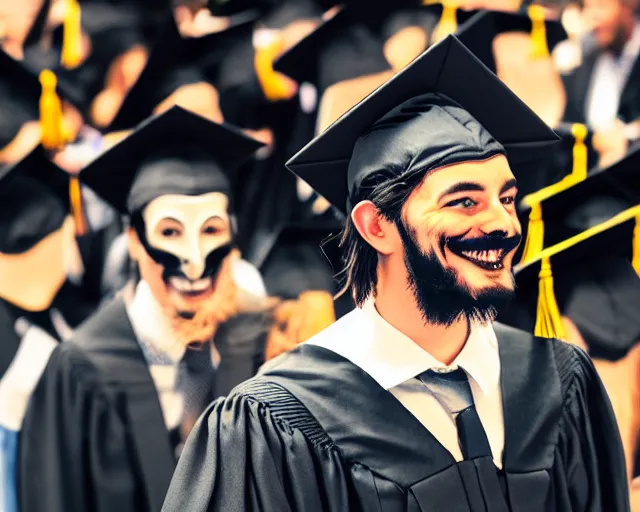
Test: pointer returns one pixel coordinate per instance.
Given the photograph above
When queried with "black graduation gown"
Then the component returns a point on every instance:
(94, 438)
(577, 85)
(313, 432)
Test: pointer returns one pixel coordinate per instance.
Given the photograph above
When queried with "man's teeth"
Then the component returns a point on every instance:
(184, 285)
(492, 256)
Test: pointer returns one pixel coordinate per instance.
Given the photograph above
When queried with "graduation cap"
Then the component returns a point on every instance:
(479, 34)
(341, 48)
(36, 32)
(231, 7)
(444, 16)
(292, 260)
(452, 75)
(574, 205)
(26, 96)
(592, 278)
(148, 163)
(172, 62)
(34, 201)
(285, 12)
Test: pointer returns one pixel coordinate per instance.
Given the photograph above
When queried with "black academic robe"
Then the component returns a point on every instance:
(94, 438)
(577, 85)
(313, 432)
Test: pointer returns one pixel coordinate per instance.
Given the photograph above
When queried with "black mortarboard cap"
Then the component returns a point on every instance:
(591, 280)
(478, 34)
(128, 175)
(602, 195)
(292, 260)
(344, 47)
(36, 31)
(34, 201)
(426, 17)
(20, 92)
(173, 61)
(451, 72)
(231, 7)
(285, 12)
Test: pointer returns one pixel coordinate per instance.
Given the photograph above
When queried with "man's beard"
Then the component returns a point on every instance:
(200, 324)
(438, 294)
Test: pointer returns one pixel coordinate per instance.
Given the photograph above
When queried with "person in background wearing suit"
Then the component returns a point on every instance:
(604, 90)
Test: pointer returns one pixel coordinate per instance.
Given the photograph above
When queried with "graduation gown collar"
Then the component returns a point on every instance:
(404, 451)
(110, 342)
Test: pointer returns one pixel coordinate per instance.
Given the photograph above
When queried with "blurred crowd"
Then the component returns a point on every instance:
(106, 283)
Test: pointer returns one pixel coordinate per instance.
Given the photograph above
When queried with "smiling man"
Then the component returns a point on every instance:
(417, 400)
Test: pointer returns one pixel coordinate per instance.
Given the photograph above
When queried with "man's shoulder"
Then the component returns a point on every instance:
(97, 346)
(567, 361)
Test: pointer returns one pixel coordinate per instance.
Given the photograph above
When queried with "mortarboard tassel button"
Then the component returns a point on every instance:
(51, 122)
(539, 47)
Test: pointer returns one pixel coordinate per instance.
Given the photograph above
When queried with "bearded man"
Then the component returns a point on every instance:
(417, 401)
(114, 403)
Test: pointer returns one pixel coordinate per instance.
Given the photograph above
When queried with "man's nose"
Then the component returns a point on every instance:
(499, 221)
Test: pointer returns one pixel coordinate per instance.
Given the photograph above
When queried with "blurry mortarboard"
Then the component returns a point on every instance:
(592, 279)
(424, 16)
(231, 7)
(343, 47)
(479, 34)
(173, 61)
(600, 196)
(114, 175)
(34, 201)
(285, 12)
(20, 92)
(293, 260)
(39, 24)
(448, 68)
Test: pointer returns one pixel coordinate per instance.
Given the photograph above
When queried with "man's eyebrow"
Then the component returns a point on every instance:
(463, 186)
(512, 183)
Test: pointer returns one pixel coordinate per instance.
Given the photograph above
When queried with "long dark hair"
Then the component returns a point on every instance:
(360, 260)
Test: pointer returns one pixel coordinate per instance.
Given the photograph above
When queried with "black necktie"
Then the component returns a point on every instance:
(453, 391)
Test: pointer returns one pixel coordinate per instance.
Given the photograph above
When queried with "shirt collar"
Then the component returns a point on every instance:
(392, 358)
(632, 47)
(152, 328)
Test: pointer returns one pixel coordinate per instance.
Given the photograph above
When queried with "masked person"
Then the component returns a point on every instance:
(416, 400)
(38, 306)
(115, 401)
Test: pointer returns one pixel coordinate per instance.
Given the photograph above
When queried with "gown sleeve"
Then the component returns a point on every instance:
(592, 452)
(73, 446)
(239, 458)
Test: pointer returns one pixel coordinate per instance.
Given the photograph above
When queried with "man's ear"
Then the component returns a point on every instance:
(379, 232)
(135, 246)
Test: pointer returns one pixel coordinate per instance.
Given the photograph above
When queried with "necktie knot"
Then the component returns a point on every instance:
(451, 389)
(453, 392)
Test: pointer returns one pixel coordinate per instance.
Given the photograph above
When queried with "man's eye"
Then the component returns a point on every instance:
(170, 232)
(463, 202)
(508, 200)
(210, 230)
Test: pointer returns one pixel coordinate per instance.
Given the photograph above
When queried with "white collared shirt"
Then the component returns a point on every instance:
(607, 83)
(393, 360)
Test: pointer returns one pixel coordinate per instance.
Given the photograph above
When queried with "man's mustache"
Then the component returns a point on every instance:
(483, 243)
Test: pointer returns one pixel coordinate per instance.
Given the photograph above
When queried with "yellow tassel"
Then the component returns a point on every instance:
(51, 121)
(548, 319)
(448, 23)
(580, 164)
(72, 36)
(275, 86)
(535, 234)
(635, 261)
(539, 48)
(77, 208)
